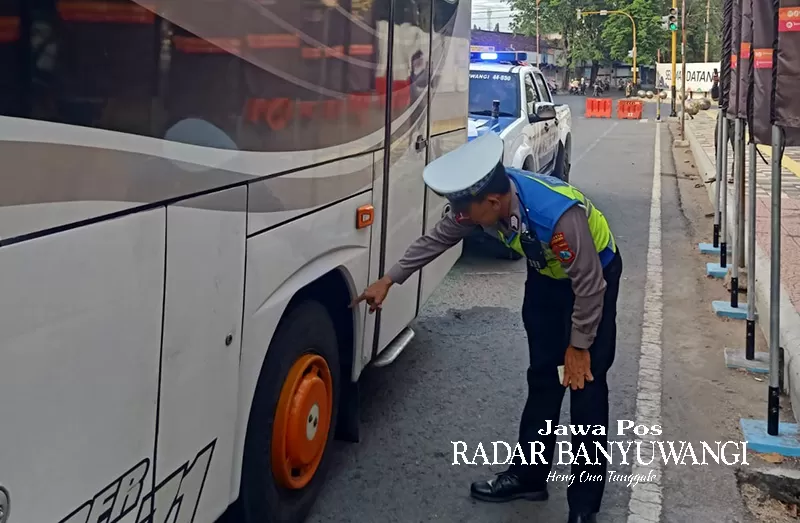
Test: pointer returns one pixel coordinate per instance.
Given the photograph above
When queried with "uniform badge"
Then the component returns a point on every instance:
(561, 248)
(514, 223)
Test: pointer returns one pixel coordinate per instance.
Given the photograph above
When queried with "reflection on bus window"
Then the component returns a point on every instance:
(279, 76)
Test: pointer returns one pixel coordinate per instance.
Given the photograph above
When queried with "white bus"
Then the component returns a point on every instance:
(191, 194)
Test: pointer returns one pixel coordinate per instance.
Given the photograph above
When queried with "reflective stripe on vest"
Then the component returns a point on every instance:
(598, 227)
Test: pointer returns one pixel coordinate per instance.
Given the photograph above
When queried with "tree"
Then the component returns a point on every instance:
(589, 46)
(560, 16)
(650, 36)
(696, 31)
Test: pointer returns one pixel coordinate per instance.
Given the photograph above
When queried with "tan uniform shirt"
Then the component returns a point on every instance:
(584, 270)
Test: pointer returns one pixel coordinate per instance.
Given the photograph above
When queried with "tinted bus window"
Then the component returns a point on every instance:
(264, 76)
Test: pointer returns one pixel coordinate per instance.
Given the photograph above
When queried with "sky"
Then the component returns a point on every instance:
(500, 14)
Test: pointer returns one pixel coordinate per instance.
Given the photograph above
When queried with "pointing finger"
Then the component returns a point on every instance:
(358, 300)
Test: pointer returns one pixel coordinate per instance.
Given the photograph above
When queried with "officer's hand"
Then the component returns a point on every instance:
(374, 294)
(577, 368)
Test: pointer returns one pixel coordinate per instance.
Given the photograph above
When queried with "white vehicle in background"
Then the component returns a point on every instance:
(192, 193)
(512, 99)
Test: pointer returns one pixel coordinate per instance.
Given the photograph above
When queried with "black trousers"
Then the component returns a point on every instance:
(547, 315)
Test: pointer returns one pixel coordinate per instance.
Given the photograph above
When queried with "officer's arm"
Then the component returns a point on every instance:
(447, 232)
(572, 242)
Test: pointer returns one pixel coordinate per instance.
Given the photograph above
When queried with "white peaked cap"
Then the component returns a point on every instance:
(465, 171)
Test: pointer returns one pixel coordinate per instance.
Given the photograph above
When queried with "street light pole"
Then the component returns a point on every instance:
(605, 12)
(708, 21)
(683, 67)
(538, 54)
(674, 60)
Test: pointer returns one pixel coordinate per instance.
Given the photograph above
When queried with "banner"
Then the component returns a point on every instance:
(725, 62)
(699, 77)
(786, 109)
(745, 65)
(762, 53)
(736, 36)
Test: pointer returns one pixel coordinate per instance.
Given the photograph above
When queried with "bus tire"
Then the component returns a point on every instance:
(296, 396)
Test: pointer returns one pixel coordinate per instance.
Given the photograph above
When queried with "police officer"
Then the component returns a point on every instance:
(569, 310)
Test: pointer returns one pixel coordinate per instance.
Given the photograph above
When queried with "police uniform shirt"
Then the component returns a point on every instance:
(584, 270)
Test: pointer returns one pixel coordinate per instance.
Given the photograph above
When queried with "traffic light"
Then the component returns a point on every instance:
(672, 20)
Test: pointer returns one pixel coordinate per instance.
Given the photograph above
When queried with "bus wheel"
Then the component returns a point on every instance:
(292, 419)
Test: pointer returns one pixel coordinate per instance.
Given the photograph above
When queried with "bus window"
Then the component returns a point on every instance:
(270, 76)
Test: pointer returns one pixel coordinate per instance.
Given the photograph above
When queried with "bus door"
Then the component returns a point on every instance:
(447, 117)
(405, 150)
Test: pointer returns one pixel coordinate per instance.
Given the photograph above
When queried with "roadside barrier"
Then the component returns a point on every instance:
(598, 107)
(629, 110)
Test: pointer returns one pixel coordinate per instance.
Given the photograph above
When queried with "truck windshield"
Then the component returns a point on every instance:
(484, 87)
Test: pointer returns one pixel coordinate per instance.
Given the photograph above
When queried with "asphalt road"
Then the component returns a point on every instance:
(463, 377)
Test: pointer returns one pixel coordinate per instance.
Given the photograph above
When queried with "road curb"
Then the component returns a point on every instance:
(789, 317)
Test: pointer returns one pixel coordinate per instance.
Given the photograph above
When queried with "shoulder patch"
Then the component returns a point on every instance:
(561, 248)
(557, 238)
(514, 223)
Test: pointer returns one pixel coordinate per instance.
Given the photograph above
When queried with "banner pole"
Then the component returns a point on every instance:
(740, 237)
(723, 205)
(719, 178)
(737, 186)
(773, 400)
(750, 341)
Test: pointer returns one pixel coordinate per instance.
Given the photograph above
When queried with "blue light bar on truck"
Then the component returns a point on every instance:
(509, 57)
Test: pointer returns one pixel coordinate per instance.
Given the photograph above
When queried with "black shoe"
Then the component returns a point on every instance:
(582, 517)
(506, 487)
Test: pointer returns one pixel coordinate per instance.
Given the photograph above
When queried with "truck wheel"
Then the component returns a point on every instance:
(292, 419)
(527, 165)
(563, 164)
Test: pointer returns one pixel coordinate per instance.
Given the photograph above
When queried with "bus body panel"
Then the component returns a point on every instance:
(179, 170)
(202, 340)
(81, 333)
(448, 109)
(282, 198)
(282, 261)
(435, 209)
(403, 217)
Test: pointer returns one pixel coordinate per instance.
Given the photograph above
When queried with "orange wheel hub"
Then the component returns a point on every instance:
(302, 421)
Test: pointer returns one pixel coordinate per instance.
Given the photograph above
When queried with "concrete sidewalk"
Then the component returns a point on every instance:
(700, 133)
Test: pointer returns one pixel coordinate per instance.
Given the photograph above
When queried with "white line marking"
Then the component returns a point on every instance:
(646, 498)
(594, 144)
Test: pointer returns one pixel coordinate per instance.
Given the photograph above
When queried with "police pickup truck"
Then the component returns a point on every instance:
(512, 99)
